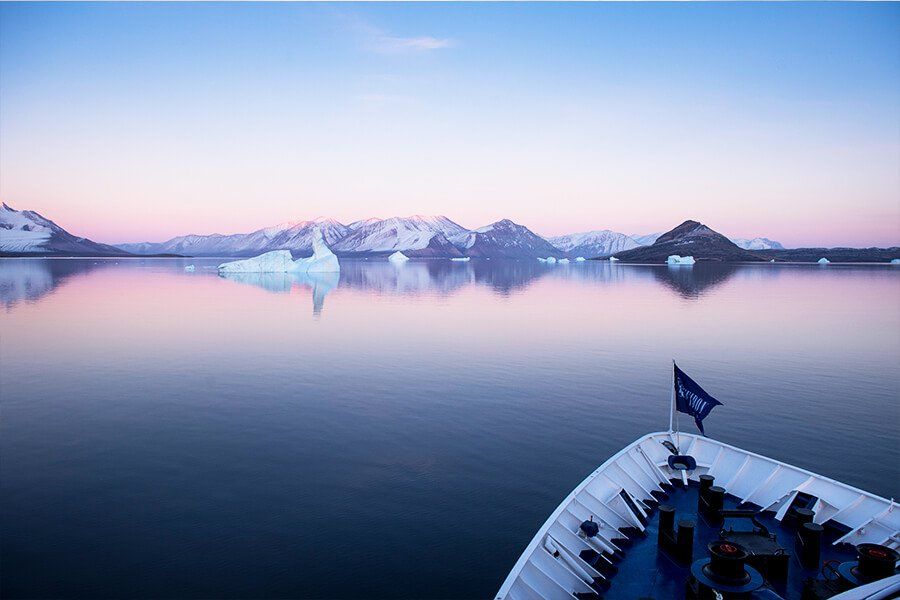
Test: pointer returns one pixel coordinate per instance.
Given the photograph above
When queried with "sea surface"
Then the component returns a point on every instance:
(394, 431)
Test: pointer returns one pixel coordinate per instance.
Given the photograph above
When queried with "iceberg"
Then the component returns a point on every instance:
(398, 257)
(563, 260)
(613, 259)
(895, 261)
(824, 261)
(323, 260)
(189, 268)
(463, 259)
(773, 260)
(277, 261)
(542, 259)
(580, 259)
(551, 259)
(674, 259)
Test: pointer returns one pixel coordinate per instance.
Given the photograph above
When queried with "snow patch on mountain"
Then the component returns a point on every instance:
(757, 243)
(593, 243)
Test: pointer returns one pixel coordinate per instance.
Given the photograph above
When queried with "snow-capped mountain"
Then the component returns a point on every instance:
(295, 236)
(27, 232)
(415, 236)
(505, 239)
(646, 239)
(593, 243)
(757, 243)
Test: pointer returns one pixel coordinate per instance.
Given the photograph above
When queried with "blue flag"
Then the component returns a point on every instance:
(692, 399)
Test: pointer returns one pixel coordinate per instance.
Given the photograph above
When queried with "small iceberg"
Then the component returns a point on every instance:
(462, 259)
(580, 259)
(674, 259)
(563, 261)
(895, 261)
(824, 261)
(551, 259)
(322, 260)
(189, 268)
(398, 257)
(542, 259)
(773, 260)
(613, 259)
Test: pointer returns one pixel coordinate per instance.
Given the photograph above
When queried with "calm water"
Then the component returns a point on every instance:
(394, 432)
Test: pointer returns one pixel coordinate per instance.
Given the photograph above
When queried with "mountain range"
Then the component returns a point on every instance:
(417, 236)
(27, 232)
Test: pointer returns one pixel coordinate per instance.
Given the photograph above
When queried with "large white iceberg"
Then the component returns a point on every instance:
(580, 259)
(398, 257)
(613, 259)
(551, 259)
(895, 261)
(824, 261)
(674, 259)
(323, 260)
(564, 260)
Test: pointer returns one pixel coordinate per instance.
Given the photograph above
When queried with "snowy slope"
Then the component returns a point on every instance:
(593, 243)
(758, 243)
(505, 239)
(646, 239)
(296, 236)
(27, 232)
(414, 236)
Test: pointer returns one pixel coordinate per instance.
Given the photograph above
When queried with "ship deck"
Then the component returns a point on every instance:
(646, 571)
(621, 559)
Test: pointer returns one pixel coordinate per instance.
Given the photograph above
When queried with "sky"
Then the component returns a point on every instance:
(134, 122)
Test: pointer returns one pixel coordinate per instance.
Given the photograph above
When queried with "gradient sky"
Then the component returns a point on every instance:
(132, 122)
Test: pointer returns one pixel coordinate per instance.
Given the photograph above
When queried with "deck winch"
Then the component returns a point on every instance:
(873, 562)
(725, 571)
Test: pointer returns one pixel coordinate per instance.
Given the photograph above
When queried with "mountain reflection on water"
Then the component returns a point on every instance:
(29, 280)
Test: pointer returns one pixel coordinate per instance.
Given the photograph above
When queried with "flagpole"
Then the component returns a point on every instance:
(672, 401)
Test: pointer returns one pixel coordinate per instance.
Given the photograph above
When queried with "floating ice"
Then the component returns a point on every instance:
(323, 260)
(563, 260)
(551, 259)
(463, 259)
(277, 261)
(189, 268)
(824, 261)
(613, 259)
(580, 259)
(398, 257)
(773, 260)
(674, 259)
(895, 261)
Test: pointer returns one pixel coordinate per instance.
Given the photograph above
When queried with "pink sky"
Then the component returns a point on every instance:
(141, 123)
